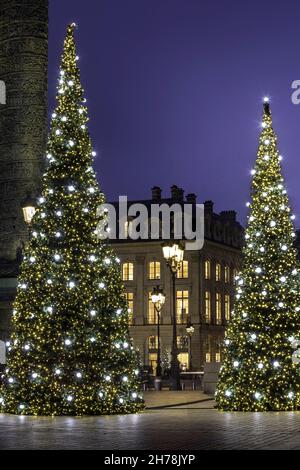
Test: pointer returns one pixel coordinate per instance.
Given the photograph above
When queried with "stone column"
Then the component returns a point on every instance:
(23, 130)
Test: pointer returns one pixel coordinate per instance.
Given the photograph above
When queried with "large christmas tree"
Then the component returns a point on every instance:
(70, 352)
(258, 371)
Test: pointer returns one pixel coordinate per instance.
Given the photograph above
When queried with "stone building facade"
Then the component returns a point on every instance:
(23, 131)
(204, 288)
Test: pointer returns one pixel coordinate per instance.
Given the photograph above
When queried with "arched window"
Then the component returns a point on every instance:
(218, 272)
(207, 268)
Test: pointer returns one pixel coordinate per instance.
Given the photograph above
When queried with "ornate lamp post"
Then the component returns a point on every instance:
(28, 207)
(158, 299)
(190, 331)
(173, 253)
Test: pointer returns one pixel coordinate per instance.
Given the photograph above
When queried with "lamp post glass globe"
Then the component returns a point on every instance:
(158, 298)
(28, 208)
(28, 213)
(173, 253)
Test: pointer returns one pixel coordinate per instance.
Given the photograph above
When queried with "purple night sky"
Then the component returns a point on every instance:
(174, 91)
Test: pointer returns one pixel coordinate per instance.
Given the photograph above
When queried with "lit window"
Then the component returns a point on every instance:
(218, 309)
(152, 314)
(153, 342)
(227, 274)
(154, 270)
(207, 350)
(235, 274)
(183, 272)
(129, 299)
(218, 272)
(153, 362)
(182, 306)
(207, 307)
(183, 359)
(218, 357)
(227, 307)
(182, 342)
(127, 271)
(207, 269)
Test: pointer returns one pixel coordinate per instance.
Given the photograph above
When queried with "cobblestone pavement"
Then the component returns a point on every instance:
(189, 423)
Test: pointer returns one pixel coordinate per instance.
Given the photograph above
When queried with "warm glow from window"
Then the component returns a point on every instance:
(218, 272)
(218, 357)
(127, 271)
(183, 359)
(218, 309)
(208, 357)
(182, 342)
(183, 271)
(152, 314)
(182, 306)
(227, 274)
(207, 269)
(227, 307)
(207, 307)
(153, 362)
(153, 342)
(129, 299)
(154, 270)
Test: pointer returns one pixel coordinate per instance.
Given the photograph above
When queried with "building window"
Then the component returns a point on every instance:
(183, 272)
(127, 271)
(227, 307)
(207, 307)
(207, 268)
(217, 351)
(153, 362)
(182, 306)
(182, 342)
(152, 314)
(154, 270)
(234, 275)
(218, 309)
(227, 274)
(218, 272)
(129, 299)
(152, 342)
(183, 359)
(207, 351)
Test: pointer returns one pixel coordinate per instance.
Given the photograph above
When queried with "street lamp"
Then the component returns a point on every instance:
(173, 253)
(190, 330)
(158, 299)
(28, 207)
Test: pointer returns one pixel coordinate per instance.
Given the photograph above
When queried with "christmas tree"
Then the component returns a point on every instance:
(258, 372)
(70, 352)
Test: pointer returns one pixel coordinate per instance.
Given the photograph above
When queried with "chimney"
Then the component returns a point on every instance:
(174, 190)
(228, 216)
(177, 193)
(191, 198)
(156, 193)
(208, 207)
